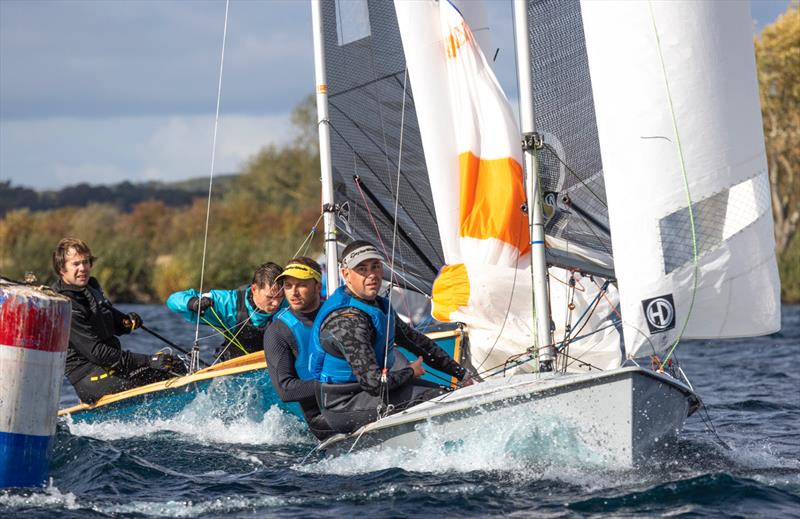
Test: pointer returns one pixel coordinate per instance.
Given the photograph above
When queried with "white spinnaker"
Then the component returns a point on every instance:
(462, 110)
(679, 121)
(420, 28)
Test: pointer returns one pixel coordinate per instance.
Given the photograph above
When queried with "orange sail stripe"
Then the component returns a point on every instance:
(492, 194)
(450, 291)
(458, 37)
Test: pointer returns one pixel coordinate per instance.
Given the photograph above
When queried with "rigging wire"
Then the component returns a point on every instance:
(309, 238)
(586, 222)
(400, 274)
(195, 357)
(389, 312)
(392, 270)
(582, 181)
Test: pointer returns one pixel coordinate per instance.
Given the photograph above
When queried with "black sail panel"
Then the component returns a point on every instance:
(373, 129)
(570, 168)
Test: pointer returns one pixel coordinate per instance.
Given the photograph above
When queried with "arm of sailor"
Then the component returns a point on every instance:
(224, 305)
(106, 353)
(419, 344)
(351, 333)
(119, 324)
(280, 364)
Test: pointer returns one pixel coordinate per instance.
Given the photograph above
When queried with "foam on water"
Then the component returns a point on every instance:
(515, 442)
(191, 508)
(203, 421)
(48, 497)
(52, 498)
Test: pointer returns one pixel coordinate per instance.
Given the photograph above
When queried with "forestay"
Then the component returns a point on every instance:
(686, 173)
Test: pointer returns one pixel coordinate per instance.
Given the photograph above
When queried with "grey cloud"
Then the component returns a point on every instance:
(131, 58)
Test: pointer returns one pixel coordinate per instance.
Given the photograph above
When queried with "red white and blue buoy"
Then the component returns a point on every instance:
(34, 335)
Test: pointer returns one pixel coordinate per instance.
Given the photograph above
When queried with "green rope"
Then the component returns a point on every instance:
(229, 336)
(685, 186)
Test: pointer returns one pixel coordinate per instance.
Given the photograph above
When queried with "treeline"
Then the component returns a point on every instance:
(124, 196)
(154, 249)
(778, 60)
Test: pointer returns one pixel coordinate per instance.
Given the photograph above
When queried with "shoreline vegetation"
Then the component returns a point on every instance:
(149, 237)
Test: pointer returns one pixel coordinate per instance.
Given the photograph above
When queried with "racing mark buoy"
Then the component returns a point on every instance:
(34, 334)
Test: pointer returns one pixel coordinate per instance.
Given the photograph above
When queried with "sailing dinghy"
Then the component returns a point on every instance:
(644, 218)
(233, 387)
(238, 385)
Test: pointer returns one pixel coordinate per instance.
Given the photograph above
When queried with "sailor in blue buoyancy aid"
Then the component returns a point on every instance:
(242, 315)
(287, 339)
(353, 332)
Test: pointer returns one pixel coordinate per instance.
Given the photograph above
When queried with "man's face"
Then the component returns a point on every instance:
(77, 268)
(302, 294)
(268, 298)
(364, 280)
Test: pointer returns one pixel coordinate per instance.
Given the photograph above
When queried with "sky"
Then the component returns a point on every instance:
(105, 91)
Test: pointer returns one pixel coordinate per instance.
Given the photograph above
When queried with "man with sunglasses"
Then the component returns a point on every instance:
(286, 341)
(352, 349)
(241, 315)
(96, 363)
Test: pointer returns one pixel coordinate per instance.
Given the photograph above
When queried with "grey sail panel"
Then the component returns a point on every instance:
(570, 165)
(371, 111)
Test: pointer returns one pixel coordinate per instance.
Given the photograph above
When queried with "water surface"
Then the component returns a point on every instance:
(209, 463)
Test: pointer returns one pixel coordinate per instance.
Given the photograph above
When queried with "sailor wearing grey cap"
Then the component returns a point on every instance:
(353, 333)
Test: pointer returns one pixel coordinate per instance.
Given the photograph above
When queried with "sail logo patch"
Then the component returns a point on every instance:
(660, 313)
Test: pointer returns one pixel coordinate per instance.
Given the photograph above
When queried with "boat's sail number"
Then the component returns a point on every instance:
(660, 313)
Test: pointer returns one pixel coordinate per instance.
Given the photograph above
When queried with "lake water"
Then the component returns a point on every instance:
(197, 465)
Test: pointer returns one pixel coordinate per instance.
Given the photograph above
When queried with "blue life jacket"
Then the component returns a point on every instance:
(333, 369)
(302, 335)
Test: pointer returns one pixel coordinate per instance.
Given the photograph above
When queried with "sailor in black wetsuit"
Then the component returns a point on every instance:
(96, 363)
(286, 341)
(354, 331)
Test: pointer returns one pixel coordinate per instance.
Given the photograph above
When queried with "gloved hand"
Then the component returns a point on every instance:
(169, 363)
(202, 303)
(132, 321)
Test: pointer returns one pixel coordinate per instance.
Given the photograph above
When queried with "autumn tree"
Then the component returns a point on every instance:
(778, 58)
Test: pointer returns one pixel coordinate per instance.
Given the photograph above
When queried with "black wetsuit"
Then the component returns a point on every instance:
(280, 350)
(349, 333)
(96, 363)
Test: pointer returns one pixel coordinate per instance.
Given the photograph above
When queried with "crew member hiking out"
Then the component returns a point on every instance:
(353, 332)
(286, 341)
(96, 363)
(241, 315)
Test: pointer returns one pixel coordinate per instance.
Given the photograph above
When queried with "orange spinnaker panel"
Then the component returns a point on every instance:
(450, 291)
(492, 194)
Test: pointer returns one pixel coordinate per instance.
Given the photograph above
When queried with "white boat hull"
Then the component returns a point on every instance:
(616, 417)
